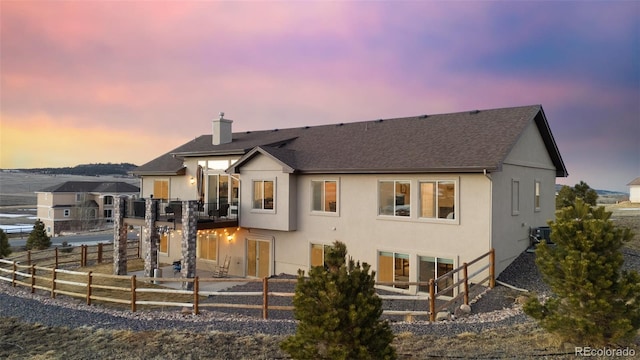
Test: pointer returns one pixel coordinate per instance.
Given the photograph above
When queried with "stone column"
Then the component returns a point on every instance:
(189, 236)
(119, 237)
(150, 237)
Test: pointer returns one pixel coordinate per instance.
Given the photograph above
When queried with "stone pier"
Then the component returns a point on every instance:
(119, 236)
(150, 237)
(189, 236)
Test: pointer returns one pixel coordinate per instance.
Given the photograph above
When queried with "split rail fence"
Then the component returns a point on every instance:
(136, 291)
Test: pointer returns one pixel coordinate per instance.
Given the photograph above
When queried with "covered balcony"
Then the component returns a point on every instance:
(168, 212)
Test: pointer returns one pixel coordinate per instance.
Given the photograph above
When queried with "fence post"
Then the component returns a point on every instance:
(133, 293)
(83, 255)
(265, 298)
(196, 287)
(53, 282)
(89, 288)
(432, 300)
(492, 268)
(99, 253)
(33, 278)
(465, 273)
(13, 276)
(56, 251)
(28, 257)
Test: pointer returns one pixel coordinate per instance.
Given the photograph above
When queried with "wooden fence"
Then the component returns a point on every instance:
(135, 291)
(70, 256)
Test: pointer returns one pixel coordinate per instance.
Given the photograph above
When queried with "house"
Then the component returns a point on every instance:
(80, 205)
(413, 197)
(634, 190)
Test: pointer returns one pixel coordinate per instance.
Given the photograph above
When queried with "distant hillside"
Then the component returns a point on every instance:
(600, 192)
(86, 170)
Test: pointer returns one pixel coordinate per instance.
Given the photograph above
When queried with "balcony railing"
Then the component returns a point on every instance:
(171, 210)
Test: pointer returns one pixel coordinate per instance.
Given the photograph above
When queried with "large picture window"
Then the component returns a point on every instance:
(393, 267)
(207, 246)
(324, 195)
(432, 268)
(263, 194)
(394, 198)
(438, 199)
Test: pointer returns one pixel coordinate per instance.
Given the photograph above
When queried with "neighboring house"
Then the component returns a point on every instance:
(634, 190)
(413, 197)
(80, 205)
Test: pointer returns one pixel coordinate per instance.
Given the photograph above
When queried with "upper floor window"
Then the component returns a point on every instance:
(437, 199)
(324, 195)
(108, 200)
(161, 189)
(536, 194)
(79, 197)
(263, 194)
(394, 198)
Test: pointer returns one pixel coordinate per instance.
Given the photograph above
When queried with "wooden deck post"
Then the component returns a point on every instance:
(13, 276)
(265, 298)
(432, 300)
(465, 274)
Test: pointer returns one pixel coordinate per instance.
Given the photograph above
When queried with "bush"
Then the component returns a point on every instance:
(38, 239)
(339, 313)
(5, 248)
(594, 301)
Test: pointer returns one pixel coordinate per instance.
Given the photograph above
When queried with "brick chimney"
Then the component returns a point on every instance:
(221, 130)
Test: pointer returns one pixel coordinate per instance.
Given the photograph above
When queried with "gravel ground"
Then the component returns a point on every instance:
(491, 309)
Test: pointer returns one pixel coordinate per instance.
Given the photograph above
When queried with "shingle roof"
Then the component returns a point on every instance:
(458, 142)
(93, 186)
(635, 181)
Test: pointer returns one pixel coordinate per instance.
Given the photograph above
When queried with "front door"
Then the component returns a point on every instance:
(258, 258)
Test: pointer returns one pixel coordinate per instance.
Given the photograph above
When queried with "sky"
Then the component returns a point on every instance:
(126, 81)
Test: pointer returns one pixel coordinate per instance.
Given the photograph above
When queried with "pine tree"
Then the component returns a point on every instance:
(5, 247)
(594, 302)
(339, 313)
(567, 195)
(38, 239)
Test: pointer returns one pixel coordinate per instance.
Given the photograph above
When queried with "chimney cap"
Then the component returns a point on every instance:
(221, 115)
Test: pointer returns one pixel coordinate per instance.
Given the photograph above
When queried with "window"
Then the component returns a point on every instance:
(515, 197)
(108, 200)
(79, 197)
(394, 198)
(536, 194)
(318, 252)
(214, 164)
(393, 267)
(161, 189)
(263, 195)
(324, 196)
(437, 199)
(432, 268)
(207, 246)
(164, 243)
(108, 215)
(67, 212)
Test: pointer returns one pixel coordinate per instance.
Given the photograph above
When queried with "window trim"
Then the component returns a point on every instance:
(394, 216)
(515, 196)
(325, 212)
(537, 195)
(66, 212)
(456, 201)
(406, 255)
(275, 197)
